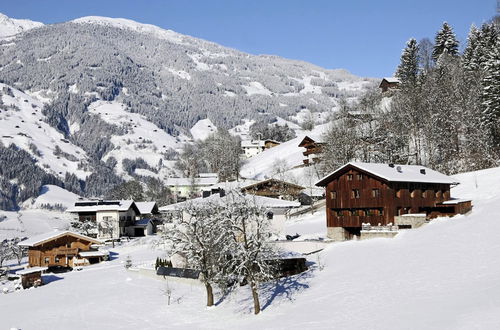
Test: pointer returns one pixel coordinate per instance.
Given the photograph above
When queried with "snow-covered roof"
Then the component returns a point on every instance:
(31, 270)
(258, 183)
(173, 182)
(237, 196)
(391, 79)
(230, 185)
(455, 201)
(93, 253)
(315, 137)
(96, 206)
(42, 238)
(145, 207)
(396, 173)
(252, 144)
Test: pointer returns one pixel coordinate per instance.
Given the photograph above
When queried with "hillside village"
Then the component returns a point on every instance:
(348, 202)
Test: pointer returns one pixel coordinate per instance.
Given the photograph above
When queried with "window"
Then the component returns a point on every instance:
(46, 260)
(413, 193)
(355, 193)
(68, 245)
(349, 177)
(361, 213)
(424, 194)
(375, 193)
(398, 193)
(57, 259)
(369, 212)
(360, 176)
(333, 194)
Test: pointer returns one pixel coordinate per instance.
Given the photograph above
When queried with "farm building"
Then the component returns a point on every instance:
(62, 248)
(274, 188)
(389, 83)
(366, 193)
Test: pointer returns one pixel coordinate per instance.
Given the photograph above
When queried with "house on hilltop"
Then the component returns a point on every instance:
(389, 83)
(367, 193)
(314, 147)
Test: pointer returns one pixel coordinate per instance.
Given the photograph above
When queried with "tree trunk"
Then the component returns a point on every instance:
(255, 294)
(210, 295)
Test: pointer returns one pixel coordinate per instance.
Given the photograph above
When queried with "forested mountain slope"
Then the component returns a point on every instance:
(102, 83)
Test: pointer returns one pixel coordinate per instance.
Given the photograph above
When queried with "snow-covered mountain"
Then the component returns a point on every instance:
(11, 26)
(124, 96)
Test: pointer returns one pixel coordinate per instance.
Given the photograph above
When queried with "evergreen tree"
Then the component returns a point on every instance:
(469, 58)
(445, 42)
(490, 100)
(407, 71)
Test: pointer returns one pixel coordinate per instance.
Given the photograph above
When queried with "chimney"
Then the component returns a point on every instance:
(391, 165)
(205, 193)
(222, 193)
(422, 171)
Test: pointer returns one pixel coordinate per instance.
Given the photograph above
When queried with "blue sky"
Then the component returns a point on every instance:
(363, 36)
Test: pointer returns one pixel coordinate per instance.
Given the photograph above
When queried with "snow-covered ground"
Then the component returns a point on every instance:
(441, 276)
(202, 129)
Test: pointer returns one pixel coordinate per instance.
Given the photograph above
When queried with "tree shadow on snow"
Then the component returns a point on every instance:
(282, 288)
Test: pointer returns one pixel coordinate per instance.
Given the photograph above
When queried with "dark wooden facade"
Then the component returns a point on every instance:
(354, 197)
(386, 85)
(313, 149)
(274, 188)
(62, 250)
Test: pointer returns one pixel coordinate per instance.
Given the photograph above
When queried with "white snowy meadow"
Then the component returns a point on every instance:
(441, 276)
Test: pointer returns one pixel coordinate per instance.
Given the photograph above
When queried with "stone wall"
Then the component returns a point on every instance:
(413, 220)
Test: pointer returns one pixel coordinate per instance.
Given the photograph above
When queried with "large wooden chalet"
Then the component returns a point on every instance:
(62, 248)
(362, 193)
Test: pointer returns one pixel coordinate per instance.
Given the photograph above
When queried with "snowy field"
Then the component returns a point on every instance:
(444, 275)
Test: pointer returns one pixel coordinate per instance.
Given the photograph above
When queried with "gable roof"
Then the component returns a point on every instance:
(49, 236)
(237, 196)
(207, 181)
(391, 80)
(311, 137)
(397, 173)
(97, 206)
(147, 207)
(259, 183)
